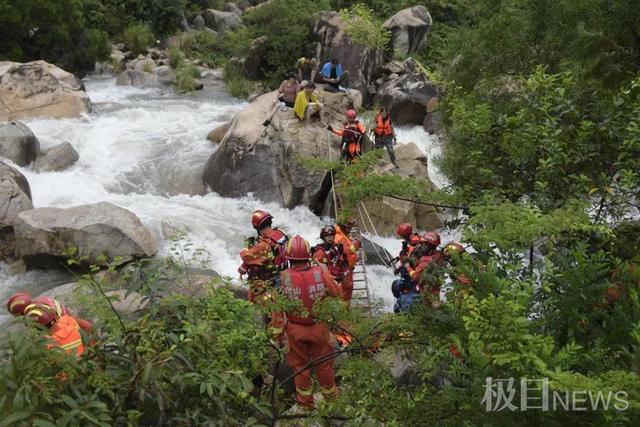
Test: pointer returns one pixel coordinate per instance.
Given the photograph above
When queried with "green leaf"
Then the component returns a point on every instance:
(13, 418)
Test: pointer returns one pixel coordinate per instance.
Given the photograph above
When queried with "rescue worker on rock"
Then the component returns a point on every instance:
(331, 254)
(64, 329)
(424, 268)
(385, 136)
(309, 339)
(263, 259)
(350, 248)
(352, 134)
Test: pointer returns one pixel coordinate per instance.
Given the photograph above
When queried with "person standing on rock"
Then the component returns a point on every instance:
(331, 254)
(385, 135)
(352, 134)
(309, 339)
(336, 78)
(307, 67)
(308, 105)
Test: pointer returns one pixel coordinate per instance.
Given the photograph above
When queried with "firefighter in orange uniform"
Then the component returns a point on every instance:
(18, 303)
(352, 134)
(64, 330)
(309, 339)
(424, 267)
(350, 249)
(331, 254)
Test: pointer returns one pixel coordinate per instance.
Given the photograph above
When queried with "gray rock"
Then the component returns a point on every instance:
(40, 89)
(233, 8)
(56, 158)
(221, 21)
(198, 23)
(44, 235)
(409, 29)
(165, 75)
(136, 78)
(407, 94)
(255, 58)
(374, 253)
(146, 65)
(18, 143)
(15, 197)
(332, 41)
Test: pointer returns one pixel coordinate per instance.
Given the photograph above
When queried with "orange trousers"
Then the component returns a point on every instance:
(347, 286)
(307, 343)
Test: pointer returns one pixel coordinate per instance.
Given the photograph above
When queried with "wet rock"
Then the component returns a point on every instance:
(136, 78)
(218, 133)
(40, 89)
(57, 158)
(18, 143)
(45, 235)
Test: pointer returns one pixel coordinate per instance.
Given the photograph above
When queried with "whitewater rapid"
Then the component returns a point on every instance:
(144, 150)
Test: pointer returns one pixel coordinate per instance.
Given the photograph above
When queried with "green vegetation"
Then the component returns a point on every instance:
(364, 28)
(139, 38)
(176, 57)
(186, 77)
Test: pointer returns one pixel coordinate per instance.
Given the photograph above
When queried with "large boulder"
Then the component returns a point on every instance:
(136, 78)
(387, 212)
(40, 89)
(221, 21)
(56, 158)
(265, 161)
(15, 197)
(45, 235)
(406, 92)
(18, 143)
(165, 75)
(199, 23)
(217, 135)
(409, 29)
(363, 63)
(255, 58)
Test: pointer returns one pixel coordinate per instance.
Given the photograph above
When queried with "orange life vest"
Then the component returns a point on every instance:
(350, 251)
(66, 333)
(383, 127)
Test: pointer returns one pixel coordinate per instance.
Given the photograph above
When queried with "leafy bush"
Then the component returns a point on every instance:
(139, 38)
(176, 57)
(186, 76)
(237, 85)
(363, 28)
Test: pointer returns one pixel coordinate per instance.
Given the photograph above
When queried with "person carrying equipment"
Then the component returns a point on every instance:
(331, 254)
(309, 339)
(425, 270)
(350, 249)
(384, 134)
(263, 258)
(352, 135)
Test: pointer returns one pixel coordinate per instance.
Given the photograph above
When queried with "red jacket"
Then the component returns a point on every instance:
(307, 284)
(333, 257)
(264, 259)
(425, 262)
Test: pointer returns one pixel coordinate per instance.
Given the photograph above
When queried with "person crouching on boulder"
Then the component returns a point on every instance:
(352, 134)
(307, 105)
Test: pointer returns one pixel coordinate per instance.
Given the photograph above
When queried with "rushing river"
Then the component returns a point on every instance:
(144, 150)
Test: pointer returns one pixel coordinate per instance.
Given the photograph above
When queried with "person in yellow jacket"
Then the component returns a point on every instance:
(308, 105)
(350, 247)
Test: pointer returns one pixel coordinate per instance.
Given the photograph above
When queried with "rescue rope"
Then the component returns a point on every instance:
(333, 184)
(362, 208)
(418, 202)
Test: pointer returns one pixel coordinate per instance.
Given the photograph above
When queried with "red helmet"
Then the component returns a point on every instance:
(54, 304)
(351, 114)
(18, 303)
(297, 249)
(327, 230)
(431, 238)
(404, 230)
(348, 224)
(259, 217)
(452, 248)
(41, 313)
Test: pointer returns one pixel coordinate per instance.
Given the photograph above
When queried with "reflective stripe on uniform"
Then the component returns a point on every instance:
(71, 345)
(330, 392)
(303, 392)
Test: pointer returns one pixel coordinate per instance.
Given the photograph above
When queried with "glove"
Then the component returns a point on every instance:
(329, 128)
(242, 271)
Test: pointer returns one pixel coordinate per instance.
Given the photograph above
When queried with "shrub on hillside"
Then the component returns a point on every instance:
(139, 38)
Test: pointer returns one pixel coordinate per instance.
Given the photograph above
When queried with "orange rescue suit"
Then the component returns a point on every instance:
(308, 339)
(350, 250)
(383, 127)
(66, 333)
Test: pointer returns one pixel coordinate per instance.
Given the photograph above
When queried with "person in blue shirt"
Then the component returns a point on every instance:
(336, 78)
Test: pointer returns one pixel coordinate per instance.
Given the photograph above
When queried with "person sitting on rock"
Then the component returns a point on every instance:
(385, 136)
(307, 67)
(352, 135)
(307, 105)
(336, 78)
(287, 94)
